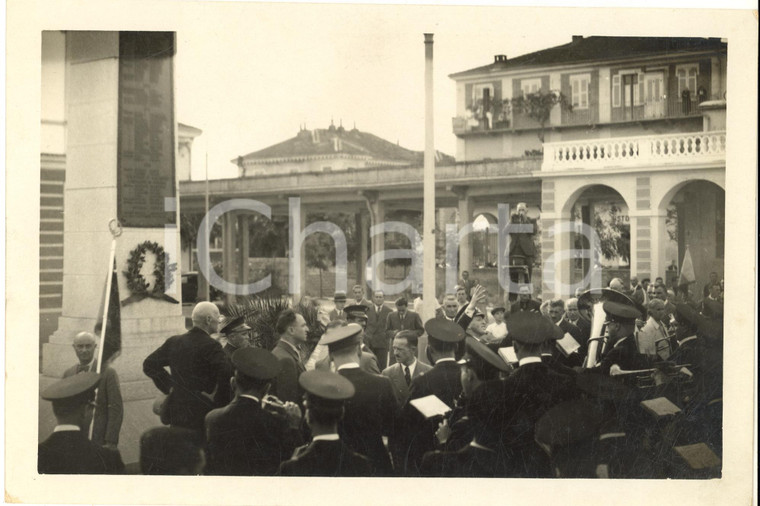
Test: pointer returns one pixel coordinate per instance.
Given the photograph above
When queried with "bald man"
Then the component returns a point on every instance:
(109, 407)
(198, 367)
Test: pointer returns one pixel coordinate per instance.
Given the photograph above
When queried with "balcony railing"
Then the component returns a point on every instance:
(697, 147)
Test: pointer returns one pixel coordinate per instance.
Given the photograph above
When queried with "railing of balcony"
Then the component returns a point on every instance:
(670, 107)
(633, 151)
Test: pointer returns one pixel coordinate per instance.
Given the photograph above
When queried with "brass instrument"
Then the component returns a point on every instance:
(598, 339)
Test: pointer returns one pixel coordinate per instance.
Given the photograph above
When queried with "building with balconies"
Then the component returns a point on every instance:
(641, 146)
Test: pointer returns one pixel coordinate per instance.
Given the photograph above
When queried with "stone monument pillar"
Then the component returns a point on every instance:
(120, 164)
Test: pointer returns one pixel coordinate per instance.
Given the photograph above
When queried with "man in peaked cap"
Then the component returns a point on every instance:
(327, 455)
(367, 361)
(370, 414)
(68, 449)
(237, 333)
(478, 364)
(243, 438)
(530, 392)
(417, 434)
(340, 302)
(621, 352)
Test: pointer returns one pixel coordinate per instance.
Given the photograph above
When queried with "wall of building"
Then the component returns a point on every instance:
(332, 164)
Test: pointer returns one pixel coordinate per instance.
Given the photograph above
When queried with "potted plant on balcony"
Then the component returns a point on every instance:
(538, 106)
(501, 110)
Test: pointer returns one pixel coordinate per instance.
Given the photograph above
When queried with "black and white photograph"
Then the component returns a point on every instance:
(350, 253)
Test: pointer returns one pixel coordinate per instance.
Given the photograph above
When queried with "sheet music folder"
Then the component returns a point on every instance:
(430, 406)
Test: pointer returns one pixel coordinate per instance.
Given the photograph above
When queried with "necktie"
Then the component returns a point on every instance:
(407, 376)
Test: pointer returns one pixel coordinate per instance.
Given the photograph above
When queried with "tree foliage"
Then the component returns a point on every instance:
(538, 106)
(614, 233)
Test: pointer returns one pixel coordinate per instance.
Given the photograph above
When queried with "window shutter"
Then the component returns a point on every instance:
(616, 91)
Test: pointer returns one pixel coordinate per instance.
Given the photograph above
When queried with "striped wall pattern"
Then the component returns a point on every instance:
(52, 177)
(643, 229)
(547, 262)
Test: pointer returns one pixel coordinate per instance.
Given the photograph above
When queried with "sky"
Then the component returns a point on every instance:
(250, 75)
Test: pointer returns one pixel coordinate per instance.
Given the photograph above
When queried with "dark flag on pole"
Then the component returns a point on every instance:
(111, 344)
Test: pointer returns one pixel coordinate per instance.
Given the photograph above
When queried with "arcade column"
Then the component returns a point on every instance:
(465, 217)
(121, 153)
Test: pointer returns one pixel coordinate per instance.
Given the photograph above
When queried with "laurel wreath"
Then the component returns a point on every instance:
(137, 283)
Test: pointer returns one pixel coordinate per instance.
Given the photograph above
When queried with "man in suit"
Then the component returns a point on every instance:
(359, 299)
(522, 229)
(407, 367)
(573, 315)
(524, 302)
(198, 367)
(68, 450)
(403, 319)
(375, 335)
(638, 294)
(467, 283)
(243, 438)
(713, 280)
(417, 435)
(621, 353)
(327, 454)
(557, 315)
(292, 329)
(237, 333)
(340, 302)
(370, 414)
(109, 407)
(653, 339)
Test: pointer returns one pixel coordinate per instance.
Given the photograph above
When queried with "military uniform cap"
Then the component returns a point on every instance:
(622, 313)
(524, 290)
(528, 327)
(326, 389)
(401, 301)
(337, 338)
(498, 309)
(568, 423)
(713, 309)
(74, 389)
(444, 330)
(339, 297)
(256, 363)
(481, 356)
(477, 313)
(356, 311)
(235, 325)
(589, 297)
(685, 312)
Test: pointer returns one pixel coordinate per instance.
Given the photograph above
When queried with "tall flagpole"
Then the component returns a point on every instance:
(428, 214)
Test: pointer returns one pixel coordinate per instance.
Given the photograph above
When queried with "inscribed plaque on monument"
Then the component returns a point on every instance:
(146, 128)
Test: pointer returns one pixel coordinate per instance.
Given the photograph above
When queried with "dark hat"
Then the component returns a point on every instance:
(532, 328)
(481, 357)
(235, 325)
(326, 389)
(338, 338)
(498, 309)
(77, 389)
(603, 387)
(524, 290)
(590, 297)
(621, 313)
(401, 301)
(569, 422)
(356, 311)
(256, 363)
(477, 313)
(706, 327)
(339, 297)
(686, 313)
(444, 331)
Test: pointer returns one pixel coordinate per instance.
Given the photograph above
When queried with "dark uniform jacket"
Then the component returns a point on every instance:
(468, 462)
(109, 407)
(70, 452)
(198, 365)
(243, 439)
(326, 458)
(369, 415)
(416, 435)
(527, 394)
(516, 307)
(286, 386)
(626, 355)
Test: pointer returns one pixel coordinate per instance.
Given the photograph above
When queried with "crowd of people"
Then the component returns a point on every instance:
(622, 382)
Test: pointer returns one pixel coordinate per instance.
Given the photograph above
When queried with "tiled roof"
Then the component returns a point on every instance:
(588, 49)
(322, 141)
